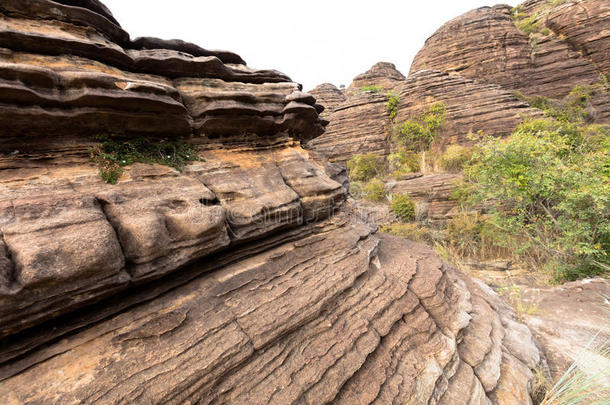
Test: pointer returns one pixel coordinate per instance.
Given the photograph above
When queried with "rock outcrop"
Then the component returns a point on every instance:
(383, 75)
(486, 45)
(245, 277)
(329, 96)
(476, 65)
(470, 106)
(568, 320)
(431, 192)
(358, 125)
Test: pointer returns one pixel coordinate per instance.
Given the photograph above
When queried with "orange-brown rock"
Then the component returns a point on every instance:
(569, 321)
(470, 106)
(383, 75)
(432, 193)
(358, 125)
(361, 124)
(486, 45)
(245, 277)
(329, 96)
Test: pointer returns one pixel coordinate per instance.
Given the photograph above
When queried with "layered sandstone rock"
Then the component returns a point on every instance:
(432, 193)
(383, 75)
(361, 124)
(486, 45)
(244, 277)
(337, 316)
(329, 96)
(358, 125)
(471, 107)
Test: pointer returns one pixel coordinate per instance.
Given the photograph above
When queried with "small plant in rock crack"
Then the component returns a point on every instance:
(112, 154)
(392, 105)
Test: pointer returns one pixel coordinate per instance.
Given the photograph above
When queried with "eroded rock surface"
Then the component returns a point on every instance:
(486, 45)
(477, 64)
(382, 75)
(245, 277)
(569, 319)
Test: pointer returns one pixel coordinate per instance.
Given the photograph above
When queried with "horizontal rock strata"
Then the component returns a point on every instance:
(359, 125)
(60, 74)
(383, 75)
(329, 96)
(486, 45)
(470, 106)
(432, 192)
(243, 277)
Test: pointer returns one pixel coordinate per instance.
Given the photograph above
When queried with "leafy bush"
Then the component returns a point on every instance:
(364, 167)
(392, 105)
(374, 190)
(455, 157)
(403, 162)
(403, 206)
(529, 25)
(112, 154)
(372, 89)
(548, 186)
(417, 135)
(573, 108)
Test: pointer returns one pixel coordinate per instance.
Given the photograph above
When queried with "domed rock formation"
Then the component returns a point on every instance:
(243, 277)
(563, 46)
(329, 96)
(382, 74)
(476, 65)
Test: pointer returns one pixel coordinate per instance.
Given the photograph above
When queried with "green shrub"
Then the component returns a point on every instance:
(529, 25)
(455, 157)
(548, 186)
(403, 161)
(356, 189)
(112, 154)
(374, 190)
(572, 108)
(418, 134)
(372, 89)
(403, 206)
(392, 105)
(365, 167)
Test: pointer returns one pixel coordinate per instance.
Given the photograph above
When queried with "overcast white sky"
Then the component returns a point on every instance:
(314, 41)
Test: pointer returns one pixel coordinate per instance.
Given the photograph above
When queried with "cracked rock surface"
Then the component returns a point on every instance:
(244, 278)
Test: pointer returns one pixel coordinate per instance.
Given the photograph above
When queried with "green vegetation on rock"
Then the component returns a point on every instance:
(455, 157)
(112, 154)
(374, 190)
(418, 134)
(403, 206)
(365, 167)
(547, 191)
(402, 162)
(572, 108)
(392, 105)
(372, 89)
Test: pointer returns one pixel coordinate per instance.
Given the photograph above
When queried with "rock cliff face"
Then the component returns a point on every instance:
(486, 45)
(246, 277)
(475, 64)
